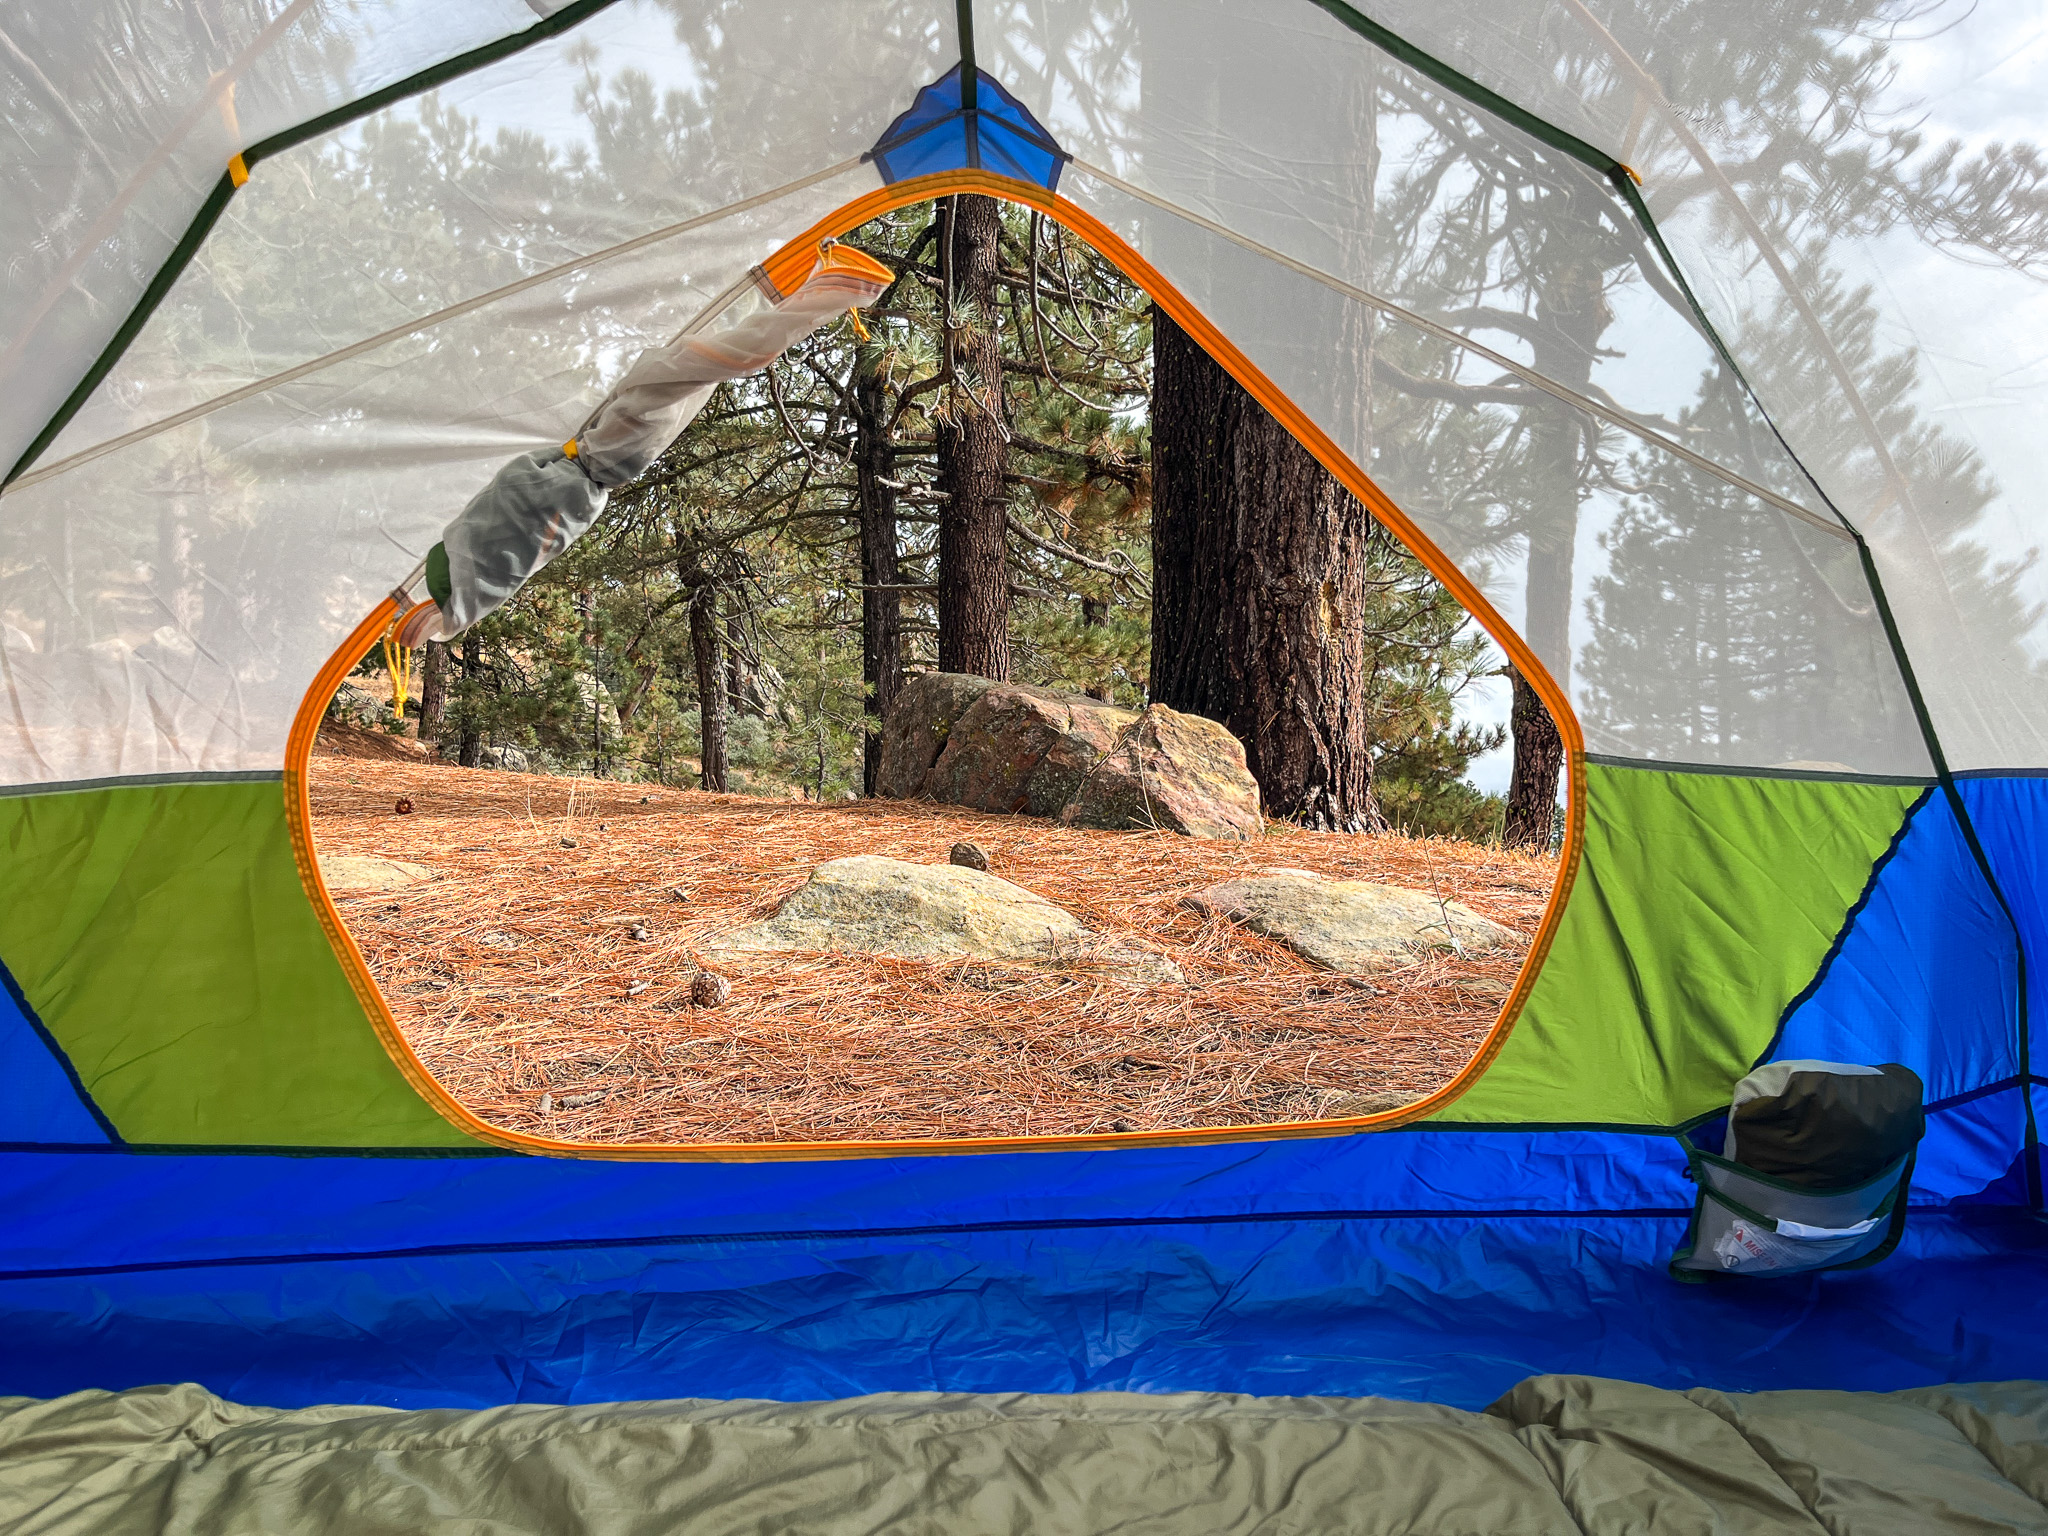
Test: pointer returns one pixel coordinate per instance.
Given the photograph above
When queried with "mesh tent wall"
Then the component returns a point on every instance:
(293, 281)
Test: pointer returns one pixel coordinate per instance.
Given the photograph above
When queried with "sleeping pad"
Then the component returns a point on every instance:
(1557, 1456)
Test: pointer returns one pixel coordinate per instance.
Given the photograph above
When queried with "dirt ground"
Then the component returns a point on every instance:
(515, 975)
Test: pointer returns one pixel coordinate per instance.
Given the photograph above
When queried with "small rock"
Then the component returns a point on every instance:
(547, 1103)
(635, 988)
(498, 941)
(970, 856)
(580, 1100)
(568, 842)
(647, 799)
(640, 932)
(1349, 925)
(874, 905)
(708, 989)
(604, 826)
(349, 874)
(404, 806)
(1122, 1125)
(677, 893)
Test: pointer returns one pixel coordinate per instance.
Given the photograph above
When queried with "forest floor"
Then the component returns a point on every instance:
(515, 975)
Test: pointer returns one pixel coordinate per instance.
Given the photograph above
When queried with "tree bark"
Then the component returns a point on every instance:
(972, 448)
(711, 681)
(1258, 590)
(470, 752)
(881, 610)
(1539, 760)
(433, 689)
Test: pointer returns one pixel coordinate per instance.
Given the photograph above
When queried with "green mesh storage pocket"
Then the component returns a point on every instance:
(1812, 1175)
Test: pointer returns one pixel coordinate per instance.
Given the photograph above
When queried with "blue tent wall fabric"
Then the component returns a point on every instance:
(51, 1107)
(219, 1164)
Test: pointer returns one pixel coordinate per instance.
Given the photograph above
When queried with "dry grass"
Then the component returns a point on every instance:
(516, 977)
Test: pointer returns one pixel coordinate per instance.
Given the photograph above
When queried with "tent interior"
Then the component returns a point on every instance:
(1742, 290)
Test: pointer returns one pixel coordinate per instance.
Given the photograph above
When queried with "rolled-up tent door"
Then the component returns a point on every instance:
(540, 503)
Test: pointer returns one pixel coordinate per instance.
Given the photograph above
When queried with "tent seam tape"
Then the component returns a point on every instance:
(843, 1234)
(141, 781)
(158, 290)
(1471, 90)
(970, 71)
(429, 1153)
(1743, 771)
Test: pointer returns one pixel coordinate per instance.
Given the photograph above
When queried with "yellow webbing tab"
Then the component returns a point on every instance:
(859, 329)
(569, 449)
(238, 171)
(398, 662)
(1634, 175)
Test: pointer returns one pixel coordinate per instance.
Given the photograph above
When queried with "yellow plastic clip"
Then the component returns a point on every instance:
(398, 662)
(859, 329)
(1633, 174)
(238, 171)
(569, 449)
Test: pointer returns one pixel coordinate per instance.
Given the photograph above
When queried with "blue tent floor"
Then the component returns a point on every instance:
(1342, 1268)
(1435, 1308)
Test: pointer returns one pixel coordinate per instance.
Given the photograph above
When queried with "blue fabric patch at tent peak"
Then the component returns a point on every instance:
(940, 132)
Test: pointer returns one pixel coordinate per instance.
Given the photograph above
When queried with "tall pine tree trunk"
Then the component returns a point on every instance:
(881, 607)
(1258, 590)
(973, 449)
(711, 680)
(1571, 313)
(1539, 762)
(433, 688)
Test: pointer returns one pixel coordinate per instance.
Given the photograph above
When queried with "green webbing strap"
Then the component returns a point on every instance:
(217, 200)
